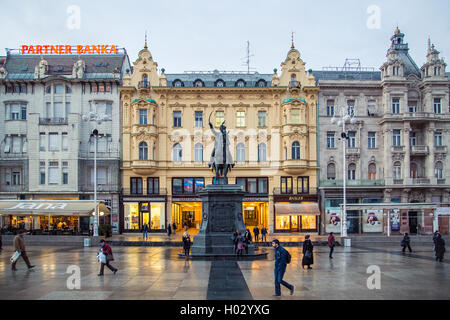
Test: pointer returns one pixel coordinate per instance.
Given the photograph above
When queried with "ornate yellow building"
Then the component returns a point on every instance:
(167, 143)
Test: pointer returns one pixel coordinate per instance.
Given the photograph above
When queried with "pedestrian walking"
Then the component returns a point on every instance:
(406, 242)
(145, 231)
(308, 258)
(331, 244)
(241, 239)
(19, 246)
(106, 250)
(247, 240)
(439, 247)
(256, 233)
(282, 258)
(234, 238)
(174, 225)
(263, 234)
(186, 244)
(169, 230)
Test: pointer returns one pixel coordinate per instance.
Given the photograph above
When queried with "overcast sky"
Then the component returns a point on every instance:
(187, 35)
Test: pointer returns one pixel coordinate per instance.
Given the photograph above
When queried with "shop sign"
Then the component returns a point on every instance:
(255, 199)
(68, 49)
(295, 198)
(333, 220)
(193, 199)
(34, 206)
(373, 221)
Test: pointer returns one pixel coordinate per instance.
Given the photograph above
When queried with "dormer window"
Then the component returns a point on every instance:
(240, 83)
(220, 83)
(178, 83)
(198, 83)
(261, 83)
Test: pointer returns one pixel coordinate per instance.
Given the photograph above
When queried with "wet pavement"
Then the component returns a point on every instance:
(158, 273)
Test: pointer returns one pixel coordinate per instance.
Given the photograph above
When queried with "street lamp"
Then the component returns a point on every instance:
(99, 119)
(345, 115)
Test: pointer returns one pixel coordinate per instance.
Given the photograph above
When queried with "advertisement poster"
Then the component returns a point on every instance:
(333, 220)
(395, 220)
(115, 227)
(372, 221)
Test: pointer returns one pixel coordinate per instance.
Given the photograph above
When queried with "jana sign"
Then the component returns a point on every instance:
(34, 206)
(68, 49)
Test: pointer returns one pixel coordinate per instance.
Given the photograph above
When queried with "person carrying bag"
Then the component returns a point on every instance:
(105, 256)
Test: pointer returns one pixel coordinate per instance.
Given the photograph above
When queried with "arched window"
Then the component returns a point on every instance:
(293, 81)
(198, 83)
(261, 83)
(198, 152)
(397, 170)
(295, 150)
(372, 171)
(262, 152)
(240, 83)
(220, 83)
(178, 83)
(351, 171)
(177, 153)
(438, 170)
(145, 81)
(240, 152)
(143, 151)
(331, 171)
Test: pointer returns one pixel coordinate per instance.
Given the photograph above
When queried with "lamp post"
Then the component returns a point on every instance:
(99, 119)
(345, 115)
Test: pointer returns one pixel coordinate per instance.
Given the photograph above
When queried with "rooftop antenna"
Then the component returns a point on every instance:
(247, 57)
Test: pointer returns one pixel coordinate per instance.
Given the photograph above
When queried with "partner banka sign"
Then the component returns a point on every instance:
(35, 206)
(68, 49)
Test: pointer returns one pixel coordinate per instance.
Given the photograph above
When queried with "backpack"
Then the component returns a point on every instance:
(288, 257)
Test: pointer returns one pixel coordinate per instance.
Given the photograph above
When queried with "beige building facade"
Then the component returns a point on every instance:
(167, 143)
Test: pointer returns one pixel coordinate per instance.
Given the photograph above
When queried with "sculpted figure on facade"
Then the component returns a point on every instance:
(41, 69)
(78, 69)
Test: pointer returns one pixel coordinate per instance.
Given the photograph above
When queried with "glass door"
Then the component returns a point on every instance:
(294, 224)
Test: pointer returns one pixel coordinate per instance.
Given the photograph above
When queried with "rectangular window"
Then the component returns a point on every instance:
(53, 176)
(395, 105)
(220, 117)
(59, 89)
(15, 178)
(295, 116)
(199, 119)
(53, 142)
(351, 139)
(136, 185)
(152, 185)
(177, 186)
(438, 139)
(437, 105)
(7, 144)
(42, 141)
(303, 185)
(261, 118)
(199, 184)
(252, 185)
(286, 185)
(16, 144)
(412, 106)
(108, 110)
(67, 109)
(240, 119)
(412, 139)
(262, 185)
(14, 111)
(65, 176)
(242, 182)
(330, 108)
(42, 173)
(371, 140)
(58, 110)
(48, 110)
(177, 118)
(371, 108)
(351, 107)
(65, 142)
(188, 185)
(143, 116)
(396, 137)
(330, 140)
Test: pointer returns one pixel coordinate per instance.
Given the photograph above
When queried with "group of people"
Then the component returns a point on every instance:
(439, 245)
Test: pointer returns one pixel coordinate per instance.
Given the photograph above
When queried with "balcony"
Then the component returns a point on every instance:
(13, 155)
(398, 149)
(353, 151)
(398, 181)
(142, 192)
(419, 150)
(143, 85)
(440, 149)
(13, 188)
(297, 166)
(280, 191)
(101, 188)
(143, 167)
(53, 121)
(440, 181)
(112, 154)
(352, 183)
(420, 181)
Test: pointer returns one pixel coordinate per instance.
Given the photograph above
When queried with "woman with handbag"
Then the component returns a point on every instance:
(331, 244)
(106, 250)
(308, 259)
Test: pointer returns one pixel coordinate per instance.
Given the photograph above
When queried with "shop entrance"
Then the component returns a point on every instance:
(187, 214)
(296, 223)
(255, 214)
(412, 219)
(353, 222)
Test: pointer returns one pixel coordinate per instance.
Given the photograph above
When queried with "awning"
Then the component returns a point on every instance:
(297, 209)
(51, 207)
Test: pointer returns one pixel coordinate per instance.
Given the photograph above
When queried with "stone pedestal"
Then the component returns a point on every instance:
(221, 216)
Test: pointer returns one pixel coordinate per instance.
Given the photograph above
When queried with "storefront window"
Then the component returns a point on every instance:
(131, 216)
(309, 222)
(251, 185)
(282, 223)
(188, 185)
(199, 184)
(158, 214)
(262, 185)
(177, 186)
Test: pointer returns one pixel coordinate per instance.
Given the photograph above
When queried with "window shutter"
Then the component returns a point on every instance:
(7, 144)
(24, 144)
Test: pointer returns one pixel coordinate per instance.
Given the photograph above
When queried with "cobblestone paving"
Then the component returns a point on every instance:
(158, 273)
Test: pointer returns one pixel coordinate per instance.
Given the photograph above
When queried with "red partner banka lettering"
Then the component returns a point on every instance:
(67, 49)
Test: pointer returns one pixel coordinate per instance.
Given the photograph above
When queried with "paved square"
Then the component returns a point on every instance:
(158, 273)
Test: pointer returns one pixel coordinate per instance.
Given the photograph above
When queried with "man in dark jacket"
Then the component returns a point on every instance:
(281, 256)
(439, 247)
(331, 244)
(256, 233)
(264, 234)
(19, 245)
(308, 258)
(406, 243)
(145, 231)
